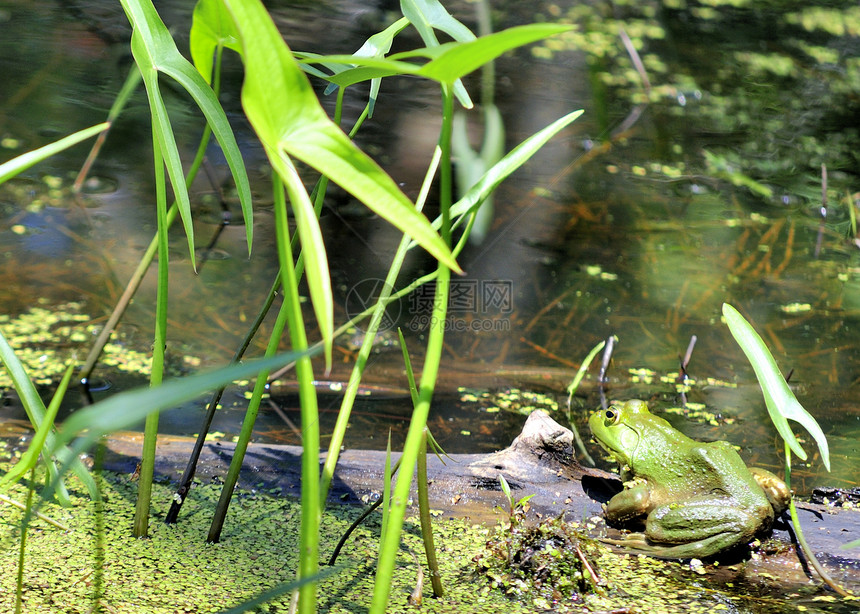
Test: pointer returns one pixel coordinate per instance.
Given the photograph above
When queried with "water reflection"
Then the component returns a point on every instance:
(712, 195)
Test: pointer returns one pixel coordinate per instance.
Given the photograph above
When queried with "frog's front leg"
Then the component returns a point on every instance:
(632, 502)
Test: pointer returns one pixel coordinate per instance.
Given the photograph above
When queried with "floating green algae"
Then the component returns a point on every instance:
(47, 336)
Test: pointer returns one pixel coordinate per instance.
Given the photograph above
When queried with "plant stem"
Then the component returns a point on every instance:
(25, 523)
(426, 523)
(310, 498)
(150, 433)
(432, 359)
(184, 486)
(798, 531)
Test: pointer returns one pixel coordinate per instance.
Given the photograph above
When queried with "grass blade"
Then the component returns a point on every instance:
(36, 412)
(31, 456)
(21, 163)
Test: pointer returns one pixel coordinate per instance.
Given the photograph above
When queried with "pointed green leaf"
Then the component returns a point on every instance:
(500, 171)
(282, 107)
(154, 51)
(36, 412)
(427, 15)
(126, 409)
(313, 250)
(458, 60)
(374, 47)
(212, 27)
(780, 400)
(31, 456)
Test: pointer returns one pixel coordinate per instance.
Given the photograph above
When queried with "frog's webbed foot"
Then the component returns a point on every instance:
(633, 541)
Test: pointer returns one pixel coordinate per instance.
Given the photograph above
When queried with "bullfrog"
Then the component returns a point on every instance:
(697, 499)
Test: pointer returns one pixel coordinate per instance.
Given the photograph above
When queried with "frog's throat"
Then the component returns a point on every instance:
(623, 466)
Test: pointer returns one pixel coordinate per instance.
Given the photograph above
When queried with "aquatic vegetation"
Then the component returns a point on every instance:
(46, 336)
(782, 406)
(289, 121)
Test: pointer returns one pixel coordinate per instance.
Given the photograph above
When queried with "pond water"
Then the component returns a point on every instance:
(666, 199)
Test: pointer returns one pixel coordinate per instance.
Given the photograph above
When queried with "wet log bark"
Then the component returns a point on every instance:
(539, 462)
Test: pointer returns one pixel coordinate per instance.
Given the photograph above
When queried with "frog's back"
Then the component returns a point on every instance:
(706, 471)
(730, 474)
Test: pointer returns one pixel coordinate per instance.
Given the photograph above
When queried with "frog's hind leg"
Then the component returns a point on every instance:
(709, 546)
(697, 530)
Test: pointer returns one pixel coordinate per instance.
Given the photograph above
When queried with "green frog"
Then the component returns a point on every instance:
(697, 498)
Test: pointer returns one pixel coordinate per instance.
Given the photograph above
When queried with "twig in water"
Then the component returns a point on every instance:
(604, 366)
(823, 210)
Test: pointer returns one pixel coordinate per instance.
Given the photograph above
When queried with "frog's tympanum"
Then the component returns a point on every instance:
(697, 499)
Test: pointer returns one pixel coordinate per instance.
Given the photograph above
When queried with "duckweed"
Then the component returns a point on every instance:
(510, 400)
(46, 336)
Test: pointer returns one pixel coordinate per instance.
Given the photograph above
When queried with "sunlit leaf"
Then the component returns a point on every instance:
(781, 403)
(500, 171)
(211, 27)
(374, 47)
(283, 108)
(459, 60)
(313, 249)
(284, 111)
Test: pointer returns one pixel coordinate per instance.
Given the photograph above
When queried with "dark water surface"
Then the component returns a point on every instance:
(657, 206)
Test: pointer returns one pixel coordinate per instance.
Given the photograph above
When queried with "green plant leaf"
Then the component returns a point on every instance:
(427, 15)
(126, 409)
(31, 456)
(362, 69)
(283, 109)
(212, 27)
(781, 403)
(154, 51)
(36, 412)
(374, 47)
(515, 158)
(21, 163)
(313, 250)
(287, 117)
(458, 60)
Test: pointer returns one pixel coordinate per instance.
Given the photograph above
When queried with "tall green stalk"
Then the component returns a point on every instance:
(366, 348)
(150, 433)
(22, 546)
(310, 516)
(412, 446)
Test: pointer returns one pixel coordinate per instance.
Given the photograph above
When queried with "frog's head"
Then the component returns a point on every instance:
(618, 429)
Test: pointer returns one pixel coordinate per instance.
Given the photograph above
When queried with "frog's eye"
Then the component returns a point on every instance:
(611, 416)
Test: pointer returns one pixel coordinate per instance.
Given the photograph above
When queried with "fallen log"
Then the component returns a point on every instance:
(539, 462)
